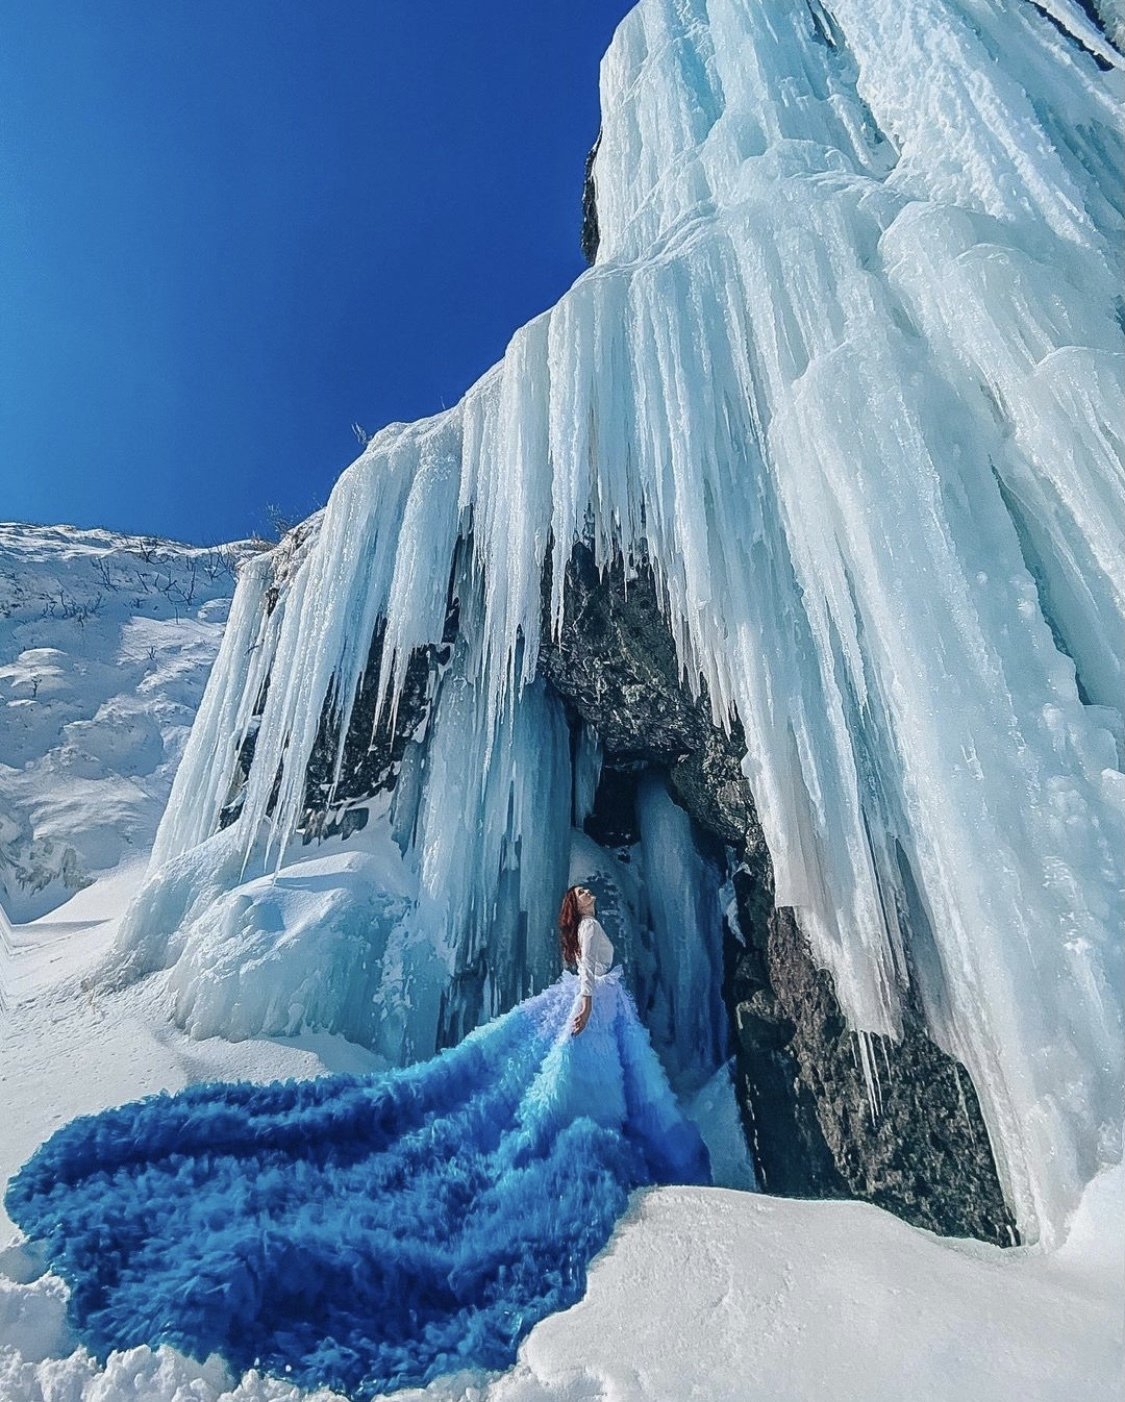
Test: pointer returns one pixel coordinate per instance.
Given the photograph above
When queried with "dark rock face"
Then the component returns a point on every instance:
(779, 1106)
(373, 747)
(615, 663)
(590, 236)
(613, 658)
(924, 1152)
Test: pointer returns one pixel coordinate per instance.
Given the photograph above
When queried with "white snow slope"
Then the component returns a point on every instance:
(849, 368)
(106, 641)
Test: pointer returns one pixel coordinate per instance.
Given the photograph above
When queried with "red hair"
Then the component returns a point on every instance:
(568, 926)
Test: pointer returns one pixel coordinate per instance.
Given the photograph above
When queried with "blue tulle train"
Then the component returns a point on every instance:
(364, 1233)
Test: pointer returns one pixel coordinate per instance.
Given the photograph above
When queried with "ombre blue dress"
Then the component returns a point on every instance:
(364, 1232)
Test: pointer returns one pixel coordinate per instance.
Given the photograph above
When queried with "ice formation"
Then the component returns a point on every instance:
(848, 370)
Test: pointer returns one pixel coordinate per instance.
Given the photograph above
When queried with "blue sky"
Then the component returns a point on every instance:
(230, 228)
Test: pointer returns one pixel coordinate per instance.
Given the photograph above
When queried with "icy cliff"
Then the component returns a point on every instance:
(847, 371)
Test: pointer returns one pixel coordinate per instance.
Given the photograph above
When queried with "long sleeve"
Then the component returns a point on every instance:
(587, 931)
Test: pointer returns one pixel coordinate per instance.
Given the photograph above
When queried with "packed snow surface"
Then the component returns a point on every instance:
(848, 370)
(106, 641)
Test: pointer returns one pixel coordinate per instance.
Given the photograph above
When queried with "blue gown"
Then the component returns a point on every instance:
(364, 1232)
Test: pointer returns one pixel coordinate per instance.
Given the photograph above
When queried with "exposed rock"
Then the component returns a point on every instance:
(373, 747)
(590, 235)
(614, 658)
(922, 1150)
(779, 1109)
(713, 788)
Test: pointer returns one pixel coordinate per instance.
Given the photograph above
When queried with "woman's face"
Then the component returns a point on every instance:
(584, 898)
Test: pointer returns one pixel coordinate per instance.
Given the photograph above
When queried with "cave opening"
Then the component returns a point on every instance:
(661, 884)
(663, 826)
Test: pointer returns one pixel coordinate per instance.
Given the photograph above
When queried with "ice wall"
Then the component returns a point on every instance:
(849, 366)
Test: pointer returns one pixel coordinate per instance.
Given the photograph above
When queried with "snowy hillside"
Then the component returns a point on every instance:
(105, 645)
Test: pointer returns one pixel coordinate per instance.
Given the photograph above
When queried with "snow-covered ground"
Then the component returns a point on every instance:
(702, 1293)
(106, 641)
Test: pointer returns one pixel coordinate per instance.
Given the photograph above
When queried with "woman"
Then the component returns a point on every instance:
(369, 1232)
(585, 944)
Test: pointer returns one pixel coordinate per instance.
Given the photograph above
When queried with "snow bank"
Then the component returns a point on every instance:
(734, 1296)
(319, 946)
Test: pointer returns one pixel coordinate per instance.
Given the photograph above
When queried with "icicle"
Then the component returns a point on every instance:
(870, 1074)
(682, 887)
(587, 772)
(882, 1045)
(961, 1095)
(203, 779)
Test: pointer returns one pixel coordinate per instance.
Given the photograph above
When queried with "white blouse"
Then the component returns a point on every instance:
(595, 954)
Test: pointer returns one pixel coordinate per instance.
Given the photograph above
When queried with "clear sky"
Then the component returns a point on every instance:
(230, 228)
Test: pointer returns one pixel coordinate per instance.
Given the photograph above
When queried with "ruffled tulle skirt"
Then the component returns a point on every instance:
(364, 1233)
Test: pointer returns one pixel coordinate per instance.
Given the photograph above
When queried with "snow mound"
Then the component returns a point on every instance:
(706, 1293)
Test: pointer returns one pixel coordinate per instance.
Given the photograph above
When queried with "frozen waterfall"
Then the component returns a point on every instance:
(848, 369)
